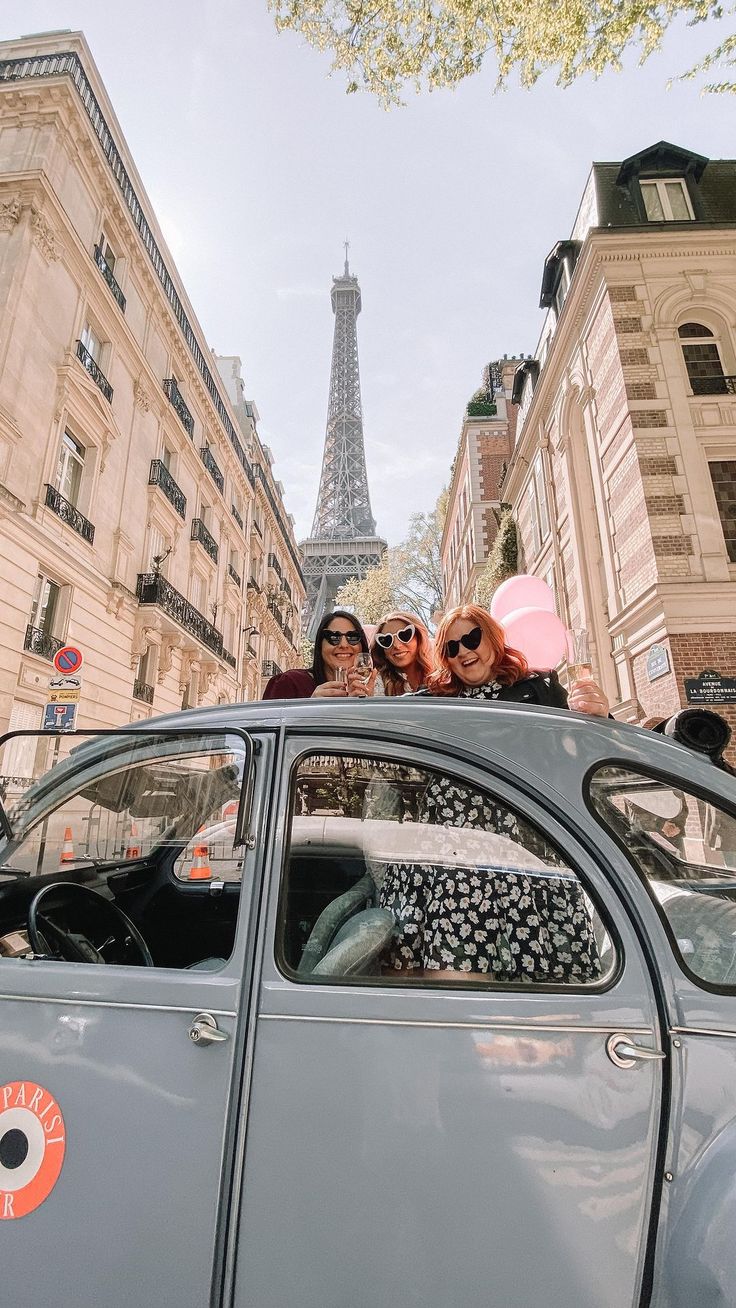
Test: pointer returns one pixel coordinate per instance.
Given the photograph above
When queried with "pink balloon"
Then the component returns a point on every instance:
(539, 635)
(523, 592)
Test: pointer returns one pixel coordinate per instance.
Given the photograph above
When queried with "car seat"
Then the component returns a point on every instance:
(349, 935)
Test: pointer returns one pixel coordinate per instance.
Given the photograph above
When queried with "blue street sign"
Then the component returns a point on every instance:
(59, 717)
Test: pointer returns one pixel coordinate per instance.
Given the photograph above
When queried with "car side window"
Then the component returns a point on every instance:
(685, 849)
(408, 874)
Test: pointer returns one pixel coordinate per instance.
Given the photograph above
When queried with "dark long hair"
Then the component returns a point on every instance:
(318, 668)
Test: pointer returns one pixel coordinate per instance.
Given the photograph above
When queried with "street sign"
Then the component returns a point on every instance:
(68, 659)
(59, 717)
(70, 682)
(710, 688)
(658, 662)
(63, 696)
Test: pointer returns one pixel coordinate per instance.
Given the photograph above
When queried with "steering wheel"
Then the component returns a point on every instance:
(99, 916)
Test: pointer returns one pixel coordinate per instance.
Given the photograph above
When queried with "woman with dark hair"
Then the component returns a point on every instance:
(402, 653)
(473, 661)
(337, 644)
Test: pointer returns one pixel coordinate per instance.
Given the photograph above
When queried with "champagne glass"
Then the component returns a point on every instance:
(580, 663)
(364, 667)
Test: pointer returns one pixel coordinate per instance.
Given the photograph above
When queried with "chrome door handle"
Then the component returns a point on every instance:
(622, 1051)
(204, 1031)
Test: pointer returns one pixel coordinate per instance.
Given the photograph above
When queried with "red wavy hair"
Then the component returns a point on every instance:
(509, 664)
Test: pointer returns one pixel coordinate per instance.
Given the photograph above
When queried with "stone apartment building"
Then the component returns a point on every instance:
(623, 476)
(137, 503)
(483, 454)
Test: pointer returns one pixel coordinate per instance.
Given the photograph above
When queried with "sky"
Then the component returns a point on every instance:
(259, 166)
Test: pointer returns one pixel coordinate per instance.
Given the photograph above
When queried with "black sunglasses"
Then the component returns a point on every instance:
(386, 638)
(334, 637)
(471, 640)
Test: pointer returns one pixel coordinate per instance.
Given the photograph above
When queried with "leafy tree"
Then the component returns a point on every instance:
(408, 577)
(386, 45)
(503, 560)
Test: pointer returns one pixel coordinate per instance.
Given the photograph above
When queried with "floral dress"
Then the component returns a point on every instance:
(510, 923)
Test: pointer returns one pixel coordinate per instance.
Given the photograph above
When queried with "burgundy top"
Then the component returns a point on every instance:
(296, 684)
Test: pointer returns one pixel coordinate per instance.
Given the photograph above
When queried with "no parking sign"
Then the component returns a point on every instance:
(68, 659)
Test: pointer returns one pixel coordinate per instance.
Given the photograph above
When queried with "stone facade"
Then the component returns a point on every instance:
(133, 493)
(474, 500)
(635, 436)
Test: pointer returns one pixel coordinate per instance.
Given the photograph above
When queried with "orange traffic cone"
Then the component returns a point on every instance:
(67, 849)
(200, 869)
(133, 849)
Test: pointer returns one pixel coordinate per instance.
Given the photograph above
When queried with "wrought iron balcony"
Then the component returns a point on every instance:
(274, 563)
(176, 399)
(253, 585)
(41, 642)
(236, 516)
(234, 575)
(161, 477)
(286, 588)
(93, 368)
(107, 273)
(208, 543)
(270, 669)
(229, 658)
(276, 611)
(69, 514)
(152, 588)
(143, 691)
(713, 385)
(289, 635)
(212, 467)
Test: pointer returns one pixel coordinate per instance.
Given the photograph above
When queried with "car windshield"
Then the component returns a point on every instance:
(120, 796)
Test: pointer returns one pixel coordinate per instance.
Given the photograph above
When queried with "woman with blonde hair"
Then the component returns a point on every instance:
(402, 652)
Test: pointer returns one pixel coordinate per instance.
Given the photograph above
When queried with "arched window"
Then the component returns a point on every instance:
(702, 359)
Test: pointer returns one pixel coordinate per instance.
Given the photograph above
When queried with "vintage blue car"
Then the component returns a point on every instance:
(338, 1004)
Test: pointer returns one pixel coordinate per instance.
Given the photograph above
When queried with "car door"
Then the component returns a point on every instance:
(425, 1140)
(114, 1120)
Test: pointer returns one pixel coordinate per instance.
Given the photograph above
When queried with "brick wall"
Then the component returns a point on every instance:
(690, 655)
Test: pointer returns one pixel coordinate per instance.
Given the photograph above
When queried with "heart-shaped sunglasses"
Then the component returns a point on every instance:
(471, 640)
(386, 638)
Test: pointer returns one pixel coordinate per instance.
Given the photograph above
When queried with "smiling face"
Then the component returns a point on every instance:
(474, 667)
(343, 655)
(401, 656)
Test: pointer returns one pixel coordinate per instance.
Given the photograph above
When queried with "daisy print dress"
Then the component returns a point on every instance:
(510, 923)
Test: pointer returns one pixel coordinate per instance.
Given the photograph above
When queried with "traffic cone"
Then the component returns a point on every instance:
(133, 849)
(67, 849)
(200, 869)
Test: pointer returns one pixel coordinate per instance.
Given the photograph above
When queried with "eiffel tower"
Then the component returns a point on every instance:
(343, 542)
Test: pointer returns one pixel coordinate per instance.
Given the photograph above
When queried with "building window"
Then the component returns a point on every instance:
(198, 592)
(46, 607)
(108, 253)
(540, 487)
(159, 551)
(71, 468)
(723, 477)
(666, 200)
(92, 343)
(702, 359)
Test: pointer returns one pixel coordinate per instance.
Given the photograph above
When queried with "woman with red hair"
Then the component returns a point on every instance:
(402, 653)
(473, 661)
(518, 931)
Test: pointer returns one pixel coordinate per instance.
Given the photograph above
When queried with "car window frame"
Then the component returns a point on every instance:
(698, 791)
(364, 741)
(242, 834)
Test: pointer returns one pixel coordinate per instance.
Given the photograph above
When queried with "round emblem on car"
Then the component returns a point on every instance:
(32, 1146)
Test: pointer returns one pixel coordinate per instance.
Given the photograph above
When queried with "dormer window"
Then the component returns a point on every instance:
(666, 200)
(558, 269)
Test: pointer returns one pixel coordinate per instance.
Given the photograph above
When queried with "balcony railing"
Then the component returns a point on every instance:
(161, 477)
(481, 409)
(713, 385)
(152, 588)
(289, 635)
(229, 658)
(257, 526)
(270, 669)
(176, 399)
(274, 563)
(212, 467)
(93, 368)
(41, 642)
(276, 611)
(69, 514)
(235, 576)
(107, 273)
(253, 585)
(236, 516)
(286, 588)
(208, 543)
(143, 691)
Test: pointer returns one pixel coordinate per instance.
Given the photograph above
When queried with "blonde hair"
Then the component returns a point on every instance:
(393, 682)
(509, 664)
